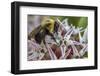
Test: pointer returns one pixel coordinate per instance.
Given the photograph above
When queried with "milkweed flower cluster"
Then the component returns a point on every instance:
(70, 42)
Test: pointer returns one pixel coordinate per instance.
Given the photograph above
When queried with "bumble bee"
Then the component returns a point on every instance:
(47, 27)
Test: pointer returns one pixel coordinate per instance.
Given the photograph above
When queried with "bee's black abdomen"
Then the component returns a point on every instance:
(39, 37)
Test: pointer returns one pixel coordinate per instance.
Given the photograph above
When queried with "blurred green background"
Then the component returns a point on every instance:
(76, 21)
